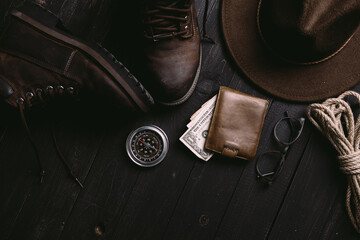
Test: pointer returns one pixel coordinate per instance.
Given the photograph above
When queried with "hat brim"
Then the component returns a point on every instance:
(300, 83)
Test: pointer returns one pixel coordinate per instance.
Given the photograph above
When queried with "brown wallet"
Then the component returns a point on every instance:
(236, 124)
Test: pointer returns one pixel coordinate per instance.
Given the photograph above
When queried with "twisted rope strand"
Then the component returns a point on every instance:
(335, 119)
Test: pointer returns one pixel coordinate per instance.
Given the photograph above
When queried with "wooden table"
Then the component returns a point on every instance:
(183, 197)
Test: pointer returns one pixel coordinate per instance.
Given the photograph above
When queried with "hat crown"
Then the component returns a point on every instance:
(307, 31)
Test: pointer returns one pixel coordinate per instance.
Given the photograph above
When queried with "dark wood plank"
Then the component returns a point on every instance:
(111, 182)
(53, 6)
(86, 19)
(8, 167)
(5, 8)
(33, 208)
(211, 185)
(164, 186)
(156, 191)
(183, 197)
(318, 193)
(310, 203)
(130, 185)
(19, 173)
(152, 177)
(338, 224)
(254, 206)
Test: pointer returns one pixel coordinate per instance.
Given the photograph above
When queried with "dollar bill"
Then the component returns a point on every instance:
(194, 138)
(210, 101)
(201, 111)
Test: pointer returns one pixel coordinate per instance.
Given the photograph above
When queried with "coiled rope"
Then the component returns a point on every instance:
(335, 119)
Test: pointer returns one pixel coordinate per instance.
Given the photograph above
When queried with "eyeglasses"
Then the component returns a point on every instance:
(286, 132)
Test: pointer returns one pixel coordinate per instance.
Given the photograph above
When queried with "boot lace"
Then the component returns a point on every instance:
(26, 102)
(167, 19)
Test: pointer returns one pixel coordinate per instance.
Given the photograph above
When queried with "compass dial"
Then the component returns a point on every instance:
(147, 146)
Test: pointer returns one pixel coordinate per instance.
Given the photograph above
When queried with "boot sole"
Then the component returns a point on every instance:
(191, 90)
(132, 87)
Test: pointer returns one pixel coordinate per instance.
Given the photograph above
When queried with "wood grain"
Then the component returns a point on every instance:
(183, 197)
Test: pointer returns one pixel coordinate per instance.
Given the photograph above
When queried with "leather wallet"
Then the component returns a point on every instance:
(236, 124)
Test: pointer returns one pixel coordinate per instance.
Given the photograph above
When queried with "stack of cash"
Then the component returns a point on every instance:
(195, 136)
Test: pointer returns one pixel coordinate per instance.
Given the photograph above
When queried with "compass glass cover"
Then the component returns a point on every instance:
(147, 146)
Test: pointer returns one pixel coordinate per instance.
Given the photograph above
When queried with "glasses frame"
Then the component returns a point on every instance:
(271, 176)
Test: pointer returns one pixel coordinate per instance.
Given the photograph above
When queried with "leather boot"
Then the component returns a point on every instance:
(39, 60)
(172, 49)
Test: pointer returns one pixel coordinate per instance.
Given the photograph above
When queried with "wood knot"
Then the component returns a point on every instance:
(100, 229)
(204, 220)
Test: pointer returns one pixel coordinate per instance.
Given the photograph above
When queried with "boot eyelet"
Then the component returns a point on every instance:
(20, 101)
(70, 90)
(186, 27)
(49, 88)
(60, 89)
(38, 90)
(29, 95)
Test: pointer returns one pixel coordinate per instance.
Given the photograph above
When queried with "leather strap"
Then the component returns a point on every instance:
(229, 152)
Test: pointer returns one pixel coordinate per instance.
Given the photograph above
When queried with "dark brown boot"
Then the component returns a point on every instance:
(172, 49)
(38, 60)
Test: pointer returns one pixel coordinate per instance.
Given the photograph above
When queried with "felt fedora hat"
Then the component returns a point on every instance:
(298, 50)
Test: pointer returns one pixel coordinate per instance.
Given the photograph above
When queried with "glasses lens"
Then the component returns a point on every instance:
(268, 164)
(288, 130)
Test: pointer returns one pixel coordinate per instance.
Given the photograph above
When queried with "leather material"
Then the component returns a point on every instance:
(34, 56)
(5, 89)
(174, 62)
(236, 125)
(39, 48)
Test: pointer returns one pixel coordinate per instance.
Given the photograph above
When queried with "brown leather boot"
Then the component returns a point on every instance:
(172, 49)
(38, 60)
